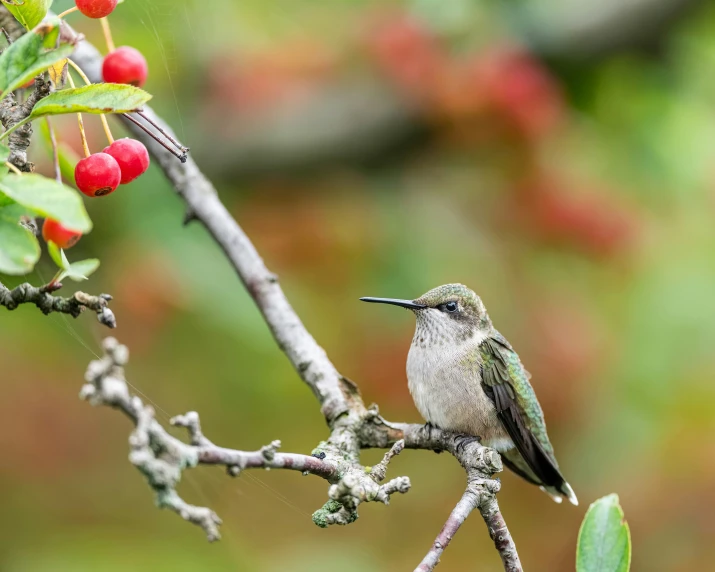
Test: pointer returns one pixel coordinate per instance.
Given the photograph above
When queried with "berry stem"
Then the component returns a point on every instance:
(82, 134)
(69, 11)
(107, 34)
(79, 71)
(107, 130)
(180, 156)
(103, 118)
(13, 168)
(55, 150)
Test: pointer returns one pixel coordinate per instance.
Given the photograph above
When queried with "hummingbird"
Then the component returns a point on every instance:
(465, 377)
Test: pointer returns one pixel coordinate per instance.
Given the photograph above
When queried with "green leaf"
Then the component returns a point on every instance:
(28, 12)
(67, 156)
(28, 55)
(65, 262)
(4, 153)
(604, 541)
(48, 198)
(81, 270)
(95, 98)
(56, 254)
(19, 249)
(68, 161)
(76, 271)
(4, 169)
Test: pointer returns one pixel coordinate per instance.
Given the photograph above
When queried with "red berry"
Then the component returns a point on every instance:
(96, 8)
(97, 175)
(60, 235)
(132, 156)
(125, 65)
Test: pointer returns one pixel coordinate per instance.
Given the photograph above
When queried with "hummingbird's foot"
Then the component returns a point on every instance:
(463, 440)
(427, 429)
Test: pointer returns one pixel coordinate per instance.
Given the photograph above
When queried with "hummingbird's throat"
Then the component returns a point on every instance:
(434, 328)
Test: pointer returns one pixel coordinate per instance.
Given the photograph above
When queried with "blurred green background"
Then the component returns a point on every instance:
(559, 158)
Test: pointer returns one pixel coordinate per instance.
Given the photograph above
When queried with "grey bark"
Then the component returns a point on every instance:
(74, 305)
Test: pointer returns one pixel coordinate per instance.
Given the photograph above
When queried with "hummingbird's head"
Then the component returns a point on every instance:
(452, 312)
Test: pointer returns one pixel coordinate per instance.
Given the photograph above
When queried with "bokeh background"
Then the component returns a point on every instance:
(557, 157)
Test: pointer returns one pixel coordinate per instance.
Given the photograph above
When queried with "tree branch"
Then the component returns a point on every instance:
(162, 458)
(202, 202)
(12, 112)
(460, 513)
(480, 464)
(74, 305)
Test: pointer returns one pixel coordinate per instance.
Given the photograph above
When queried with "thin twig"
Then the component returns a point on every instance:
(160, 129)
(74, 305)
(464, 507)
(162, 458)
(180, 157)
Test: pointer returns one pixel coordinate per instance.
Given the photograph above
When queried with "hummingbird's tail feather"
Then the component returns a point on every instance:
(556, 497)
(568, 492)
(557, 489)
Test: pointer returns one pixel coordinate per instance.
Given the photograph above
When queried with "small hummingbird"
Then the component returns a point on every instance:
(465, 377)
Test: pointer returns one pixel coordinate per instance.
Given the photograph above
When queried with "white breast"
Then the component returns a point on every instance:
(445, 383)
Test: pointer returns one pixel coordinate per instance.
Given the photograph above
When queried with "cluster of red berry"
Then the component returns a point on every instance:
(123, 160)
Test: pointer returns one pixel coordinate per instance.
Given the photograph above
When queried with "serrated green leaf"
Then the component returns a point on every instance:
(55, 253)
(48, 198)
(28, 55)
(29, 12)
(19, 249)
(95, 98)
(81, 270)
(604, 541)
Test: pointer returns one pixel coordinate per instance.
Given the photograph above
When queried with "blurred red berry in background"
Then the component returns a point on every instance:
(408, 52)
(592, 221)
(518, 87)
(59, 234)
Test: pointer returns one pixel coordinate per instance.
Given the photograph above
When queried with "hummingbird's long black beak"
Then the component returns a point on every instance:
(395, 302)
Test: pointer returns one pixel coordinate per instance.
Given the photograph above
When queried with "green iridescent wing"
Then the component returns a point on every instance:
(506, 383)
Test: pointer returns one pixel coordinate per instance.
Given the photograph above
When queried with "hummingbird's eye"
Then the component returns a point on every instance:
(449, 307)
